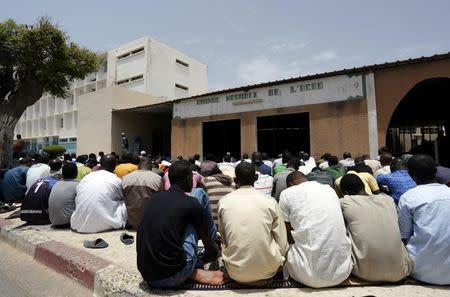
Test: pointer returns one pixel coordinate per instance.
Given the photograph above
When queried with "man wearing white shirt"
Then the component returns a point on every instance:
(99, 204)
(320, 251)
(37, 171)
(385, 161)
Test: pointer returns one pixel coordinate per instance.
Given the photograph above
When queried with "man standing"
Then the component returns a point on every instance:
(252, 230)
(124, 143)
(320, 251)
(18, 147)
(99, 204)
(424, 220)
(372, 224)
(167, 237)
(138, 187)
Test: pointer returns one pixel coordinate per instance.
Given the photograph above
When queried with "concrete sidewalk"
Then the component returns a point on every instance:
(112, 271)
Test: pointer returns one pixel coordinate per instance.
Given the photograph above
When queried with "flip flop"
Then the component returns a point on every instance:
(95, 244)
(14, 215)
(126, 238)
(7, 208)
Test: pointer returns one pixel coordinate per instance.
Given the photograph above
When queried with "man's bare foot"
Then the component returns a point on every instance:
(206, 277)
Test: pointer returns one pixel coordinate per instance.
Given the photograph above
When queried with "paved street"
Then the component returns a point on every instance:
(20, 276)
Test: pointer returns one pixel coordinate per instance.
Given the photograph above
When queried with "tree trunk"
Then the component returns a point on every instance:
(7, 125)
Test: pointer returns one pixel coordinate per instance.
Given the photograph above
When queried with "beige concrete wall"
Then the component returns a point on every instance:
(392, 84)
(139, 125)
(334, 128)
(95, 121)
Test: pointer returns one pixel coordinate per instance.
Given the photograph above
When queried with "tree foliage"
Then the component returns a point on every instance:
(35, 60)
(41, 54)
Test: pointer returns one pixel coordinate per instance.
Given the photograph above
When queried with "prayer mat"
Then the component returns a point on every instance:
(277, 282)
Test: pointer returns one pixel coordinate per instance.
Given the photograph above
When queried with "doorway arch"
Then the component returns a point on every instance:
(421, 121)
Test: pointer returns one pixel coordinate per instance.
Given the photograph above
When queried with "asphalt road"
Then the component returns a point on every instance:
(20, 276)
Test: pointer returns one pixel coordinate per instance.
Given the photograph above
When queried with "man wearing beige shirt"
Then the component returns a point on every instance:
(253, 232)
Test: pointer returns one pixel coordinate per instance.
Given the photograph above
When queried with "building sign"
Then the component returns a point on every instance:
(323, 90)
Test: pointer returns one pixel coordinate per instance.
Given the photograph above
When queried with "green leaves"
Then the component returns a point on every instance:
(41, 55)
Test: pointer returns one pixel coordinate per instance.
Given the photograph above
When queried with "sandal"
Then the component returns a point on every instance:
(95, 244)
(126, 238)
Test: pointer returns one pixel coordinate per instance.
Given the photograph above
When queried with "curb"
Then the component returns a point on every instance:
(94, 273)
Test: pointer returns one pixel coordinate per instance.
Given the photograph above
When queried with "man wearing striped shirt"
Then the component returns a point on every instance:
(216, 186)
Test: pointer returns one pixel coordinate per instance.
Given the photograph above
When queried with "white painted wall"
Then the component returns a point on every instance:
(335, 88)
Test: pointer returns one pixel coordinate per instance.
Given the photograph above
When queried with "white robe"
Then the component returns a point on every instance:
(99, 204)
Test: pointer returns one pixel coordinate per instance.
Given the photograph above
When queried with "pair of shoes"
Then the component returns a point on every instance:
(99, 243)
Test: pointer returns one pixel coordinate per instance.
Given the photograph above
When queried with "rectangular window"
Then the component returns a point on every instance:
(274, 92)
(123, 56)
(61, 123)
(138, 50)
(123, 81)
(181, 87)
(182, 63)
(137, 77)
(133, 52)
(72, 139)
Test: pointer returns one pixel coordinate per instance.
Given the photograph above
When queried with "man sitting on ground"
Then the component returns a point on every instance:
(227, 167)
(259, 165)
(398, 181)
(279, 180)
(378, 252)
(347, 160)
(281, 166)
(13, 185)
(61, 203)
(172, 223)
(370, 183)
(216, 186)
(34, 208)
(126, 167)
(334, 168)
(320, 251)
(252, 230)
(82, 169)
(138, 187)
(38, 170)
(385, 161)
(424, 220)
(320, 176)
(99, 204)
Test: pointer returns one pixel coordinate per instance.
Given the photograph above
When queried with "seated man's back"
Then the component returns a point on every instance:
(424, 220)
(167, 237)
(138, 187)
(61, 203)
(372, 224)
(99, 202)
(320, 255)
(13, 185)
(253, 232)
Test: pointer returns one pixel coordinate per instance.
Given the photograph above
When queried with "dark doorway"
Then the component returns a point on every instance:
(421, 121)
(221, 137)
(280, 132)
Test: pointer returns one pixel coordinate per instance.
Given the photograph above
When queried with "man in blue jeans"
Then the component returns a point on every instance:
(167, 237)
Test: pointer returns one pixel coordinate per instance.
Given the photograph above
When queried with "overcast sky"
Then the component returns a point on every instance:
(246, 42)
